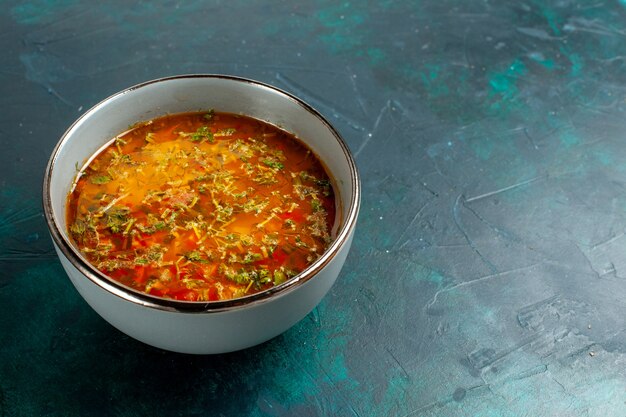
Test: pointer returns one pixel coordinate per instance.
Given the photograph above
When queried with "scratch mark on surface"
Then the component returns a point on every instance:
(48, 42)
(592, 26)
(63, 21)
(588, 261)
(458, 245)
(385, 309)
(56, 94)
(530, 139)
(315, 381)
(357, 93)
(332, 384)
(316, 318)
(470, 242)
(468, 64)
(397, 105)
(369, 136)
(496, 229)
(480, 362)
(298, 364)
(430, 190)
(583, 350)
(309, 96)
(14, 218)
(410, 225)
(406, 374)
(433, 300)
(608, 241)
(537, 33)
(18, 256)
(45, 69)
(610, 270)
(559, 383)
(502, 190)
(526, 314)
(539, 369)
(353, 410)
(438, 170)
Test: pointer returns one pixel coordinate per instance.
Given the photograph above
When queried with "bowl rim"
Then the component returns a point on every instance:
(120, 290)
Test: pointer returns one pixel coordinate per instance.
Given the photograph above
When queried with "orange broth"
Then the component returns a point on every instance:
(202, 206)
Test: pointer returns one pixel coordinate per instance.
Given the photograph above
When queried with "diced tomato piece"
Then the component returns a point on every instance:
(296, 215)
(213, 295)
(279, 256)
(157, 292)
(140, 274)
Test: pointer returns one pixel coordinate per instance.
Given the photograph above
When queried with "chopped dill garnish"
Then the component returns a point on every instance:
(203, 133)
(316, 205)
(116, 218)
(100, 179)
(79, 227)
(193, 256)
(273, 163)
(225, 132)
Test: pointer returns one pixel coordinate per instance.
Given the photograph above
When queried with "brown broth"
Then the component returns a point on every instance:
(202, 207)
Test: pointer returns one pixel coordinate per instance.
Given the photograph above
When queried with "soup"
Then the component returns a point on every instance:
(202, 207)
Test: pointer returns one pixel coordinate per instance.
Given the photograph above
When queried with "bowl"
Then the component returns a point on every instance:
(201, 327)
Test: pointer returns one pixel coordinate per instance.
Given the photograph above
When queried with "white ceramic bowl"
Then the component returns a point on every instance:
(201, 327)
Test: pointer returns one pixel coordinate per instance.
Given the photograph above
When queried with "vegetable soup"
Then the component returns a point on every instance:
(202, 206)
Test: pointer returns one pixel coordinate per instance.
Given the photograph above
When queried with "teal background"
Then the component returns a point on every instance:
(488, 272)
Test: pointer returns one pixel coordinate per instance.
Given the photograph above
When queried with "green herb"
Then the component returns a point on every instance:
(251, 257)
(79, 227)
(224, 213)
(300, 243)
(265, 178)
(316, 205)
(264, 277)
(254, 206)
(246, 240)
(112, 264)
(120, 158)
(272, 163)
(193, 256)
(116, 218)
(225, 132)
(152, 228)
(153, 254)
(100, 179)
(203, 133)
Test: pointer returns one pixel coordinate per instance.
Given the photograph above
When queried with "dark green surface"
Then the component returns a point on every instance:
(488, 272)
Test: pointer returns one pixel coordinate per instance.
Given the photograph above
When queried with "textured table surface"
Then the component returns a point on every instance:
(488, 271)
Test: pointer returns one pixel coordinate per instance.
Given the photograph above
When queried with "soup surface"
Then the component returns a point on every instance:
(202, 206)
